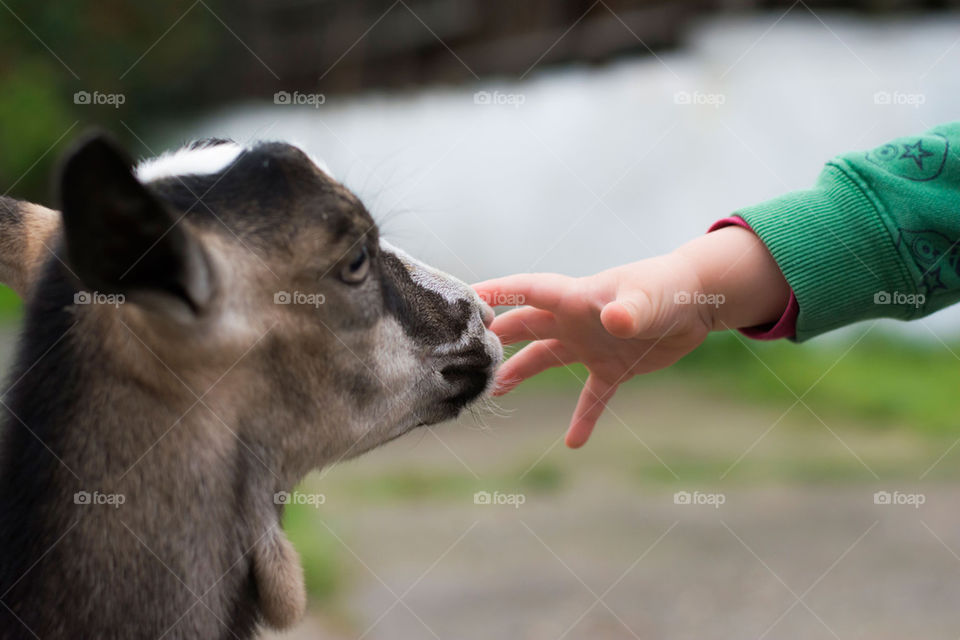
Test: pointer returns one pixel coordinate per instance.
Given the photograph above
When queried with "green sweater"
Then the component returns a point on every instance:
(878, 236)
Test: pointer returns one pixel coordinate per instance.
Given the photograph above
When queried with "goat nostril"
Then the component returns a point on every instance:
(458, 373)
(468, 381)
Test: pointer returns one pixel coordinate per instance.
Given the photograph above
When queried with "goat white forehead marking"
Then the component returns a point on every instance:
(187, 162)
(452, 289)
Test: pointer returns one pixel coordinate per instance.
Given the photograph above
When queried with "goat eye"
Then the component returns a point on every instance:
(356, 270)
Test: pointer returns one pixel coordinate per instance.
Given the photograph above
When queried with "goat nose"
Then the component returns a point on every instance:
(487, 314)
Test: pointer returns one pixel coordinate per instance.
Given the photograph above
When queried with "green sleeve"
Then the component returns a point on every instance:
(877, 236)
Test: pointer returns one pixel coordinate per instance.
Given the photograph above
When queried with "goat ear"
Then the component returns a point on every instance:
(26, 235)
(120, 238)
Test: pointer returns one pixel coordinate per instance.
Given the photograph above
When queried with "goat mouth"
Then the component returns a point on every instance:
(464, 376)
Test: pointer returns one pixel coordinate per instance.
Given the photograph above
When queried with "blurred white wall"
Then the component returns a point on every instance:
(579, 169)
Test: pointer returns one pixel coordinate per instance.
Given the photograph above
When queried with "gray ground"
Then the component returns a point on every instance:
(799, 549)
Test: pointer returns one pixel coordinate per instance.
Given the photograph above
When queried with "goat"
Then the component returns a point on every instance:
(200, 332)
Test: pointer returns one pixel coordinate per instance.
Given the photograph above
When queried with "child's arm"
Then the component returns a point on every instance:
(636, 318)
(878, 236)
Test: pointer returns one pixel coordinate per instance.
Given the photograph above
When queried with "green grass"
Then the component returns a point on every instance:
(319, 550)
(429, 484)
(761, 469)
(884, 381)
(11, 307)
(544, 477)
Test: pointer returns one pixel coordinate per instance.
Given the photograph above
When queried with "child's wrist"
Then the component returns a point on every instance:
(741, 285)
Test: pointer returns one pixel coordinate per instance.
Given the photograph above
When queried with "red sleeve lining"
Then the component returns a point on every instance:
(786, 326)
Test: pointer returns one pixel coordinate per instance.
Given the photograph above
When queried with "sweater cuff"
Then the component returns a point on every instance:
(831, 245)
(786, 326)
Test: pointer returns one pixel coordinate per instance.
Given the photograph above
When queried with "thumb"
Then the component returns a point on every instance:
(628, 315)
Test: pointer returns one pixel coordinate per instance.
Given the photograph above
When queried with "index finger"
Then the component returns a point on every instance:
(542, 290)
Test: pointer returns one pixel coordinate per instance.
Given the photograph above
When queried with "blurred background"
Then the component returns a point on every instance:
(753, 490)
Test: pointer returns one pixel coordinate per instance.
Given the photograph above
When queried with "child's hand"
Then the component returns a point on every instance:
(619, 323)
(632, 319)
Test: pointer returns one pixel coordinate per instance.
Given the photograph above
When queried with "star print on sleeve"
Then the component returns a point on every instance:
(916, 152)
(917, 158)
